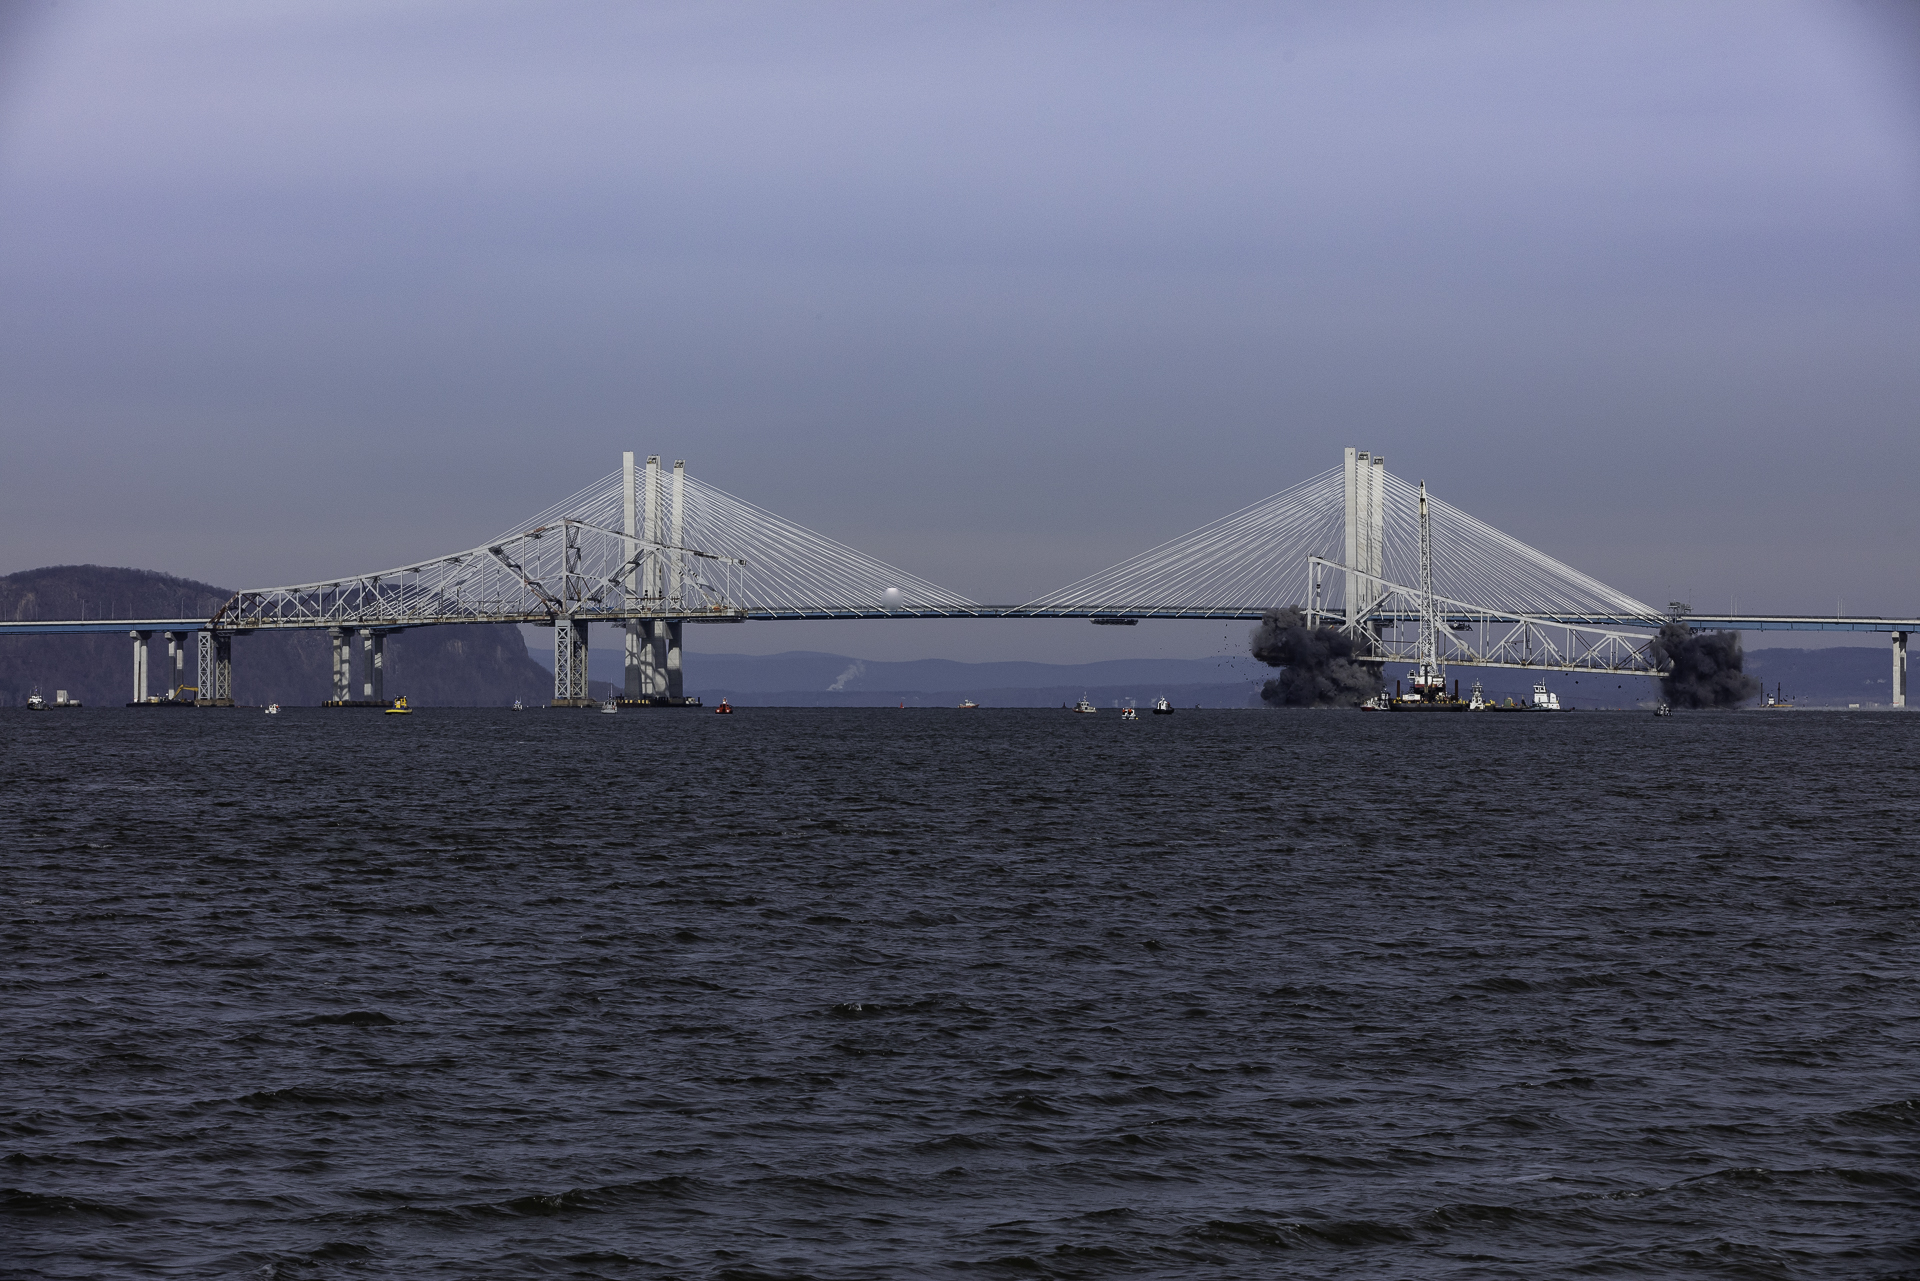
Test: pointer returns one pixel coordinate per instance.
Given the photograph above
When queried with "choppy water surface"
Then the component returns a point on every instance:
(878, 993)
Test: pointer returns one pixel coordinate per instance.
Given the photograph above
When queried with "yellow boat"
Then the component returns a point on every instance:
(400, 707)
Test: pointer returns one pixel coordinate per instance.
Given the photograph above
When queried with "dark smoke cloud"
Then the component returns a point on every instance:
(1317, 664)
(1706, 668)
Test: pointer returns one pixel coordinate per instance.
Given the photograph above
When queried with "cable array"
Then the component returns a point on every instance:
(786, 569)
(1256, 558)
(735, 559)
(1473, 561)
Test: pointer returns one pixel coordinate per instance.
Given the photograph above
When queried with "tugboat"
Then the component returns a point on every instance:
(35, 703)
(1663, 710)
(967, 703)
(273, 709)
(400, 707)
(609, 707)
(1161, 707)
(517, 707)
(1478, 703)
(1084, 706)
(725, 708)
(1544, 699)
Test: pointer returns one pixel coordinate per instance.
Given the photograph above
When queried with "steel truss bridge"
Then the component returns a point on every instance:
(649, 549)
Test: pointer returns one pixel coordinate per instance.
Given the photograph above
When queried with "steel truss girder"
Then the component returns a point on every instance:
(1504, 639)
(567, 569)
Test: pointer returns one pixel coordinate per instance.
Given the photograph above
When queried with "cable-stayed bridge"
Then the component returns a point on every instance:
(648, 549)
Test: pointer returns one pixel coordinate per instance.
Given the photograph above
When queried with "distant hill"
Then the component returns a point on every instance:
(474, 665)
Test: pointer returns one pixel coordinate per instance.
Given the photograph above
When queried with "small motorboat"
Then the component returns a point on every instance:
(400, 707)
(1084, 706)
(273, 709)
(725, 708)
(1663, 710)
(1161, 707)
(1129, 713)
(967, 702)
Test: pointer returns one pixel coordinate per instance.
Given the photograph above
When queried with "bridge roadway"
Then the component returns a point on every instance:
(1251, 613)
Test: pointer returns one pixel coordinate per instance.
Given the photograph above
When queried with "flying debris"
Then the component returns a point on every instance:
(1318, 668)
(1706, 668)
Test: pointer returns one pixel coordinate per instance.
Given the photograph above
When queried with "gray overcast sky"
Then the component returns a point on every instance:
(998, 292)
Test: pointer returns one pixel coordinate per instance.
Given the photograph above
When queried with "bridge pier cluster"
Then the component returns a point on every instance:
(213, 670)
(372, 691)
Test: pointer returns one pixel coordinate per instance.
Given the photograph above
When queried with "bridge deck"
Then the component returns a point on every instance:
(1733, 622)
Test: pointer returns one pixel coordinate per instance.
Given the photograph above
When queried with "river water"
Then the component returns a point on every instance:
(879, 993)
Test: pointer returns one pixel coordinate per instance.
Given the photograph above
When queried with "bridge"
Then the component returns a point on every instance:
(647, 550)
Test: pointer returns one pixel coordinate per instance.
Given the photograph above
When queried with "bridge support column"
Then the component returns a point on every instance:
(636, 668)
(570, 663)
(142, 654)
(676, 689)
(222, 669)
(176, 665)
(1899, 669)
(373, 673)
(342, 666)
(1350, 546)
(657, 657)
(203, 668)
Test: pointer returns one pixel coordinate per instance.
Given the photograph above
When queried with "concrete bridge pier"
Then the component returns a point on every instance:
(373, 666)
(1899, 669)
(176, 665)
(638, 669)
(342, 667)
(676, 689)
(142, 656)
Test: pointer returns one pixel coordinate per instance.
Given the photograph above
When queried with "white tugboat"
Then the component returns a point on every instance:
(1544, 699)
(1161, 707)
(1084, 706)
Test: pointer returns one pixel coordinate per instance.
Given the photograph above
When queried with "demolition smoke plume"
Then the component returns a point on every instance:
(1317, 667)
(1706, 669)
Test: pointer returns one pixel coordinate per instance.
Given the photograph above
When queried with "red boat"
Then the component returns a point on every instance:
(725, 708)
